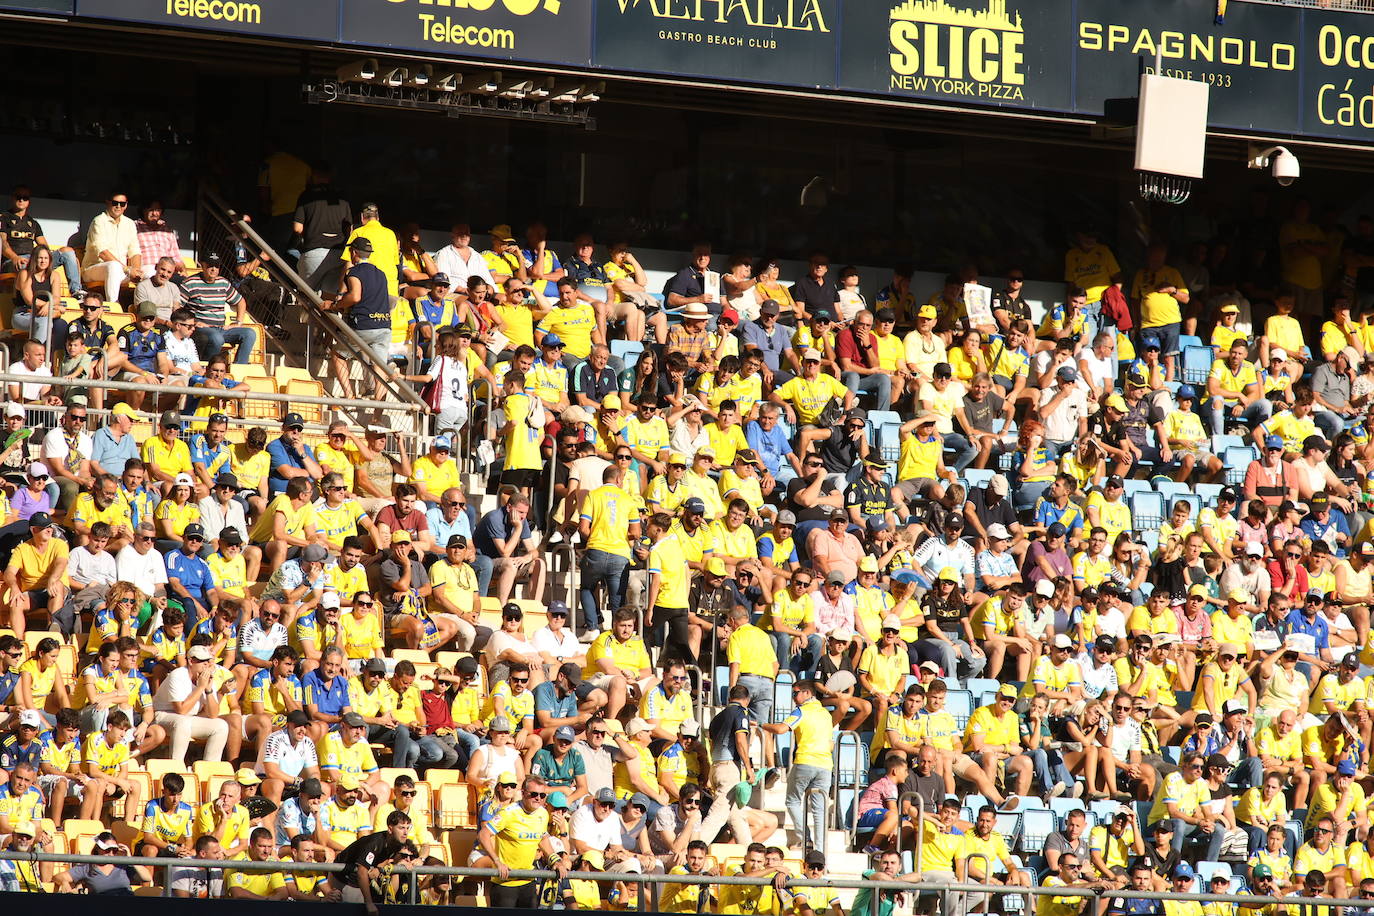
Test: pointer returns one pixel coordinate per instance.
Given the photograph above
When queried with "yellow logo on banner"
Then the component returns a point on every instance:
(445, 30)
(939, 48)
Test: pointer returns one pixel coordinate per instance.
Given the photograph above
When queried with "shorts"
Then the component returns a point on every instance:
(964, 764)
(871, 818)
(917, 486)
(524, 479)
(47, 781)
(1167, 335)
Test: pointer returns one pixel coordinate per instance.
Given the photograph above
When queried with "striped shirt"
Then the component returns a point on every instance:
(209, 300)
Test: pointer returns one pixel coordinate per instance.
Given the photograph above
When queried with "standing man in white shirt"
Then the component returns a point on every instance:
(112, 250)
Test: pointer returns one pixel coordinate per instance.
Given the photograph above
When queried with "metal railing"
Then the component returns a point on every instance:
(860, 764)
(823, 828)
(919, 824)
(942, 888)
(311, 304)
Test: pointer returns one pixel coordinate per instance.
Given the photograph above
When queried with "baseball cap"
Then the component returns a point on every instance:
(636, 726)
(170, 418)
(1187, 392)
(835, 577)
(311, 788)
(183, 480)
(1346, 767)
(1254, 549)
(815, 857)
(1233, 705)
(1150, 343)
(611, 402)
(550, 341)
(295, 716)
(998, 532)
(40, 520)
(1007, 690)
(787, 517)
(31, 718)
(316, 553)
(25, 828)
(512, 611)
(227, 480)
(349, 782)
(457, 540)
(842, 634)
(1351, 660)
(927, 311)
(147, 309)
(1365, 550)
(230, 536)
(293, 421)
(1184, 870)
(1229, 493)
(1273, 442)
(604, 796)
(330, 599)
(942, 370)
(1044, 588)
(361, 245)
(501, 724)
(1061, 640)
(17, 410)
(769, 307)
(1261, 870)
(997, 483)
(1238, 594)
(690, 728)
(199, 654)
(353, 720)
(374, 666)
(1117, 402)
(892, 622)
(868, 564)
(930, 666)
(1067, 374)
(246, 777)
(694, 506)
(442, 444)
(400, 537)
(1105, 643)
(715, 566)
(558, 608)
(558, 799)
(811, 355)
(1056, 530)
(564, 733)
(730, 315)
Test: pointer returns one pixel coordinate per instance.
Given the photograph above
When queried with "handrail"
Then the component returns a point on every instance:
(313, 304)
(287, 865)
(698, 691)
(819, 836)
(987, 873)
(920, 825)
(859, 765)
(242, 394)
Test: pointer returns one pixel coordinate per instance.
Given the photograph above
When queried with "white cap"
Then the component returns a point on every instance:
(183, 480)
(1045, 588)
(998, 531)
(810, 353)
(636, 726)
(1062, 641)
(14, 410)
(843, 634)
(892, 622)
(31, 718)
(1233, 705)
(1276, 353)
(998, 484)
(199, 654)
(329, 599)
(1254, 549)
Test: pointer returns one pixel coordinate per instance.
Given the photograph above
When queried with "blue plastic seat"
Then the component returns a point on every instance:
(627, 351)
(1237, 460)
(978, 477)
(1061, 808)
(1147, 510)
(1208, 492)
(1036, 826)
(1197, 363)
(959, 704)
(1189, 340)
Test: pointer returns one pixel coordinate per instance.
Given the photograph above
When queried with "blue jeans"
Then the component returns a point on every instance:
(879, 385)
(67, 258)
(1256, 413)
(482, 566)
(1049, 768)
(404, 751)
(1331, 424)
(430, 751)
(760, 696)
(801, 778)
(964, 450)
(597, 567)
(1182, 831)
(804, 661)
(1025, 496)
(952, 654)
(210, 341)
(468, 743)
(1246, 774)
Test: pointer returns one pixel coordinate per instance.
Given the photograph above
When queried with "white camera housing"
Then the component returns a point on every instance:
(1282, 164)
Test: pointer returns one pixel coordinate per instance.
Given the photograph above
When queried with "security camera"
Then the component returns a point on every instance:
(1282, 164)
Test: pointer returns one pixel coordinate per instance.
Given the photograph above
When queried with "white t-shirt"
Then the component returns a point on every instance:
(29, 391)
(1112, 623)
(596, 834)
(588, 471)
(182, 353)
(1062, 425)
(1099, 369)
(174, 689)
(292, 759)
(501, 641)
(86, 568)
(147, 571)
(567, 647)
(453, 382)
(55, 445)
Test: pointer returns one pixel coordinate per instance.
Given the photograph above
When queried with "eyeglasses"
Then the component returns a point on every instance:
(22, 197)
(601, 804)
(887, 631)
(91, 308)
(1322, 830)
(519, 680)
(119, 203)
(362, 604)
(1122, 708)
(266, 615)
(597, 734)
(624, 457)
(691, 803)
(1294, 556)
(806, 584)
(407, 793)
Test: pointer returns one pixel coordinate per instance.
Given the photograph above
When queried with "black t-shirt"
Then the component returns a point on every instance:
(982, 414)
(816, 296)
(999, 513)
(812, 513)
(930, 788)
(839, 452)
(948, 613)
(23, 232)
(369, 852)
(733, 718)
(373, 309)
(324, 216)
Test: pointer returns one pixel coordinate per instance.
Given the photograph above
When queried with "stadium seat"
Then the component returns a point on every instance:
(1062, 806)
(959, 704)
(627, 351)
(1197, 363)
(1237, 459)
(978, 477)
(456, 806)
(1207, 870)
(1147, 510)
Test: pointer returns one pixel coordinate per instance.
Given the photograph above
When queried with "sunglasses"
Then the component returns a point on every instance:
(119, 203)
(519, 680)
(407, 793)
(600, 734)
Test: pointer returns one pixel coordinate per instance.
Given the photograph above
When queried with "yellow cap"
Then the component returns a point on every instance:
(1117, 402)
(1199, 590)
(949, 574)
(348, 781)
(1238, 594)
(677, 458)
(246, 777)
(868, 564)
(715, 566)
(507, 778)
(927, 311)
(611, 402)
(595, 859)
(124, 410)
(1230, 308)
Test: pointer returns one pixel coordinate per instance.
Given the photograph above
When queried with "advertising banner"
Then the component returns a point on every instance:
(553, 31)
(40, 6)
(1337, 67)
(311, 19)
(1252, 62)
(787, 42)
(985, 52)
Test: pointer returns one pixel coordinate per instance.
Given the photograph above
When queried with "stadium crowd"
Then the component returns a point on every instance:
(1081, 589)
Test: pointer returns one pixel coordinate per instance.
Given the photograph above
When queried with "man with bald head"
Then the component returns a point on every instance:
(856, 348)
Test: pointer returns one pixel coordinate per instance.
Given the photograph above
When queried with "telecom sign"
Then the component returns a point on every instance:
(554, 31)
(311, 19)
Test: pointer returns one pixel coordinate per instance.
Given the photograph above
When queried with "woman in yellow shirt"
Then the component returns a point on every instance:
(174, 513)
(766, 286)
(967, 359)
(41, 684)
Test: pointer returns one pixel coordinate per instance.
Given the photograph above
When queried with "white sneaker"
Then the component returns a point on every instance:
(1058, 790)
(589, 637)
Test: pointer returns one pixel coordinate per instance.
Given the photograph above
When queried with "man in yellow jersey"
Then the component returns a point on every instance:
(240, 884)
(522, 434)
(1234, 387)
(548, 377)
(1090, 264)
(804, 397)
(289, 522)
(1161, 293)
(753, 663)
(992, 741)
(1182, 798)
(618, 663)
(921, 463)
(435, 472)
(514, 839)
(573, 321)
(36, 578)
(608, 524)
(812, 750)
(1322, 854)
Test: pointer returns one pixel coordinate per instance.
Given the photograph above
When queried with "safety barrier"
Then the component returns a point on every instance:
(919, 822)
(943, 890)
